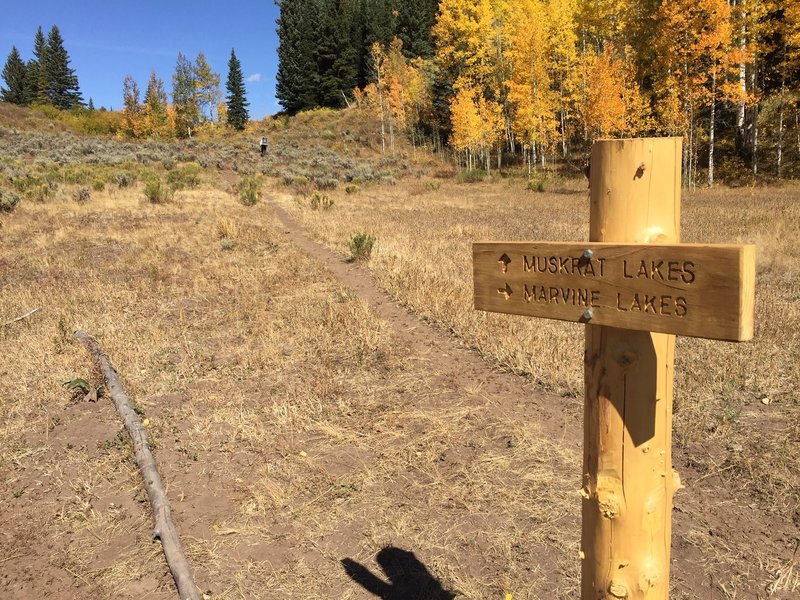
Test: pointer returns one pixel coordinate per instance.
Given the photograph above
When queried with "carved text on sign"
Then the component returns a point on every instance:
(687, 289)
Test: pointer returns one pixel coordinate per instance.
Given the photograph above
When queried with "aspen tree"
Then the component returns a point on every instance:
(563, 41)
(132, 122)
(613, 104)
(533, 103)
(694, 44)
(466, 123)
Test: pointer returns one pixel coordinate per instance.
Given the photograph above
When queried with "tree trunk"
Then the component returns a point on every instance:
(755, 139)
(742, 74)
(628, 481)
(711, 128)
(780, 121)
(164, 527)
(754, 123)
(563, 117)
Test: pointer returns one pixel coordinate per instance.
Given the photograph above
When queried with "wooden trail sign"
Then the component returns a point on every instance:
(635, 287)
(695, 290)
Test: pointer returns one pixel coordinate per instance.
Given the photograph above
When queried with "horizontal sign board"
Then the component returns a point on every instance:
(698, 290)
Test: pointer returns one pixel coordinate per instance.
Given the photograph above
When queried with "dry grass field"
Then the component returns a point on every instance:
(294, 429)
(312, 435)
(737, 405)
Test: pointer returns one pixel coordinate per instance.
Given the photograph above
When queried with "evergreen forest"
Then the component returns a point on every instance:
(45, 79)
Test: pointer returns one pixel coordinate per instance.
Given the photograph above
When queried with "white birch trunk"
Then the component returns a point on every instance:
(780, 123)
(711, 128)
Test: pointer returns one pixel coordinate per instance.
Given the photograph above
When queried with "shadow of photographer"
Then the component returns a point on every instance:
(408, 578)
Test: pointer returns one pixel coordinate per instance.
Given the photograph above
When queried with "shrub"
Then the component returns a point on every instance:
(471, 176)
(98, 185)
(227, 232)
(187, 176)
(82, 194)
(249, 190)
(40, 193)
(326, 183)
(8, 200)
(351, 188)
(79, 174)
(157, 192)
(536, 184)
(123, 179)
(320, 200)
(361, 246)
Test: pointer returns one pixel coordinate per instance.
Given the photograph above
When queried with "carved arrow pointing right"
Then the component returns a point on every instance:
(505, 291)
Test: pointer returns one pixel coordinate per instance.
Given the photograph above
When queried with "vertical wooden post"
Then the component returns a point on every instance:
(627, 470)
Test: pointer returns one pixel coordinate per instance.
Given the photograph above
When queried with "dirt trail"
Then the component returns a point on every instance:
(562, 417)
(714, 532)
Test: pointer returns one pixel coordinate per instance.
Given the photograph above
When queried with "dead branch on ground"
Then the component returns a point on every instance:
(21, 317)
(164, 527)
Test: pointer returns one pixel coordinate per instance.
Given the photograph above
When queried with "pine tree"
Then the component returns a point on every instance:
(337, 58)
(184, 97)
(14, 76)
(61, 87)
(298, 76)
(376, 21)
(381, 21)
(236, 101)
(415, 21)
(35, 77)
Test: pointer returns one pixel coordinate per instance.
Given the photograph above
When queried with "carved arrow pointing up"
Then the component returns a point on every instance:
(504, 261)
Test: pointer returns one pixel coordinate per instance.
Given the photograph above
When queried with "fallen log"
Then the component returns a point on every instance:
(164, 528)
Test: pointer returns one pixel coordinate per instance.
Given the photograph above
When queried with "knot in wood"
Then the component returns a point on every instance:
(627, 358)
(618, 590)
(609, 496)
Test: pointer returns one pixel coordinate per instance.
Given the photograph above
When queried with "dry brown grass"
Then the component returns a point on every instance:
(291, 426)
(295, 428)
(737, 406)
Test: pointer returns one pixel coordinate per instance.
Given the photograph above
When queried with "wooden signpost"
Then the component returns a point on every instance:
(636, 287)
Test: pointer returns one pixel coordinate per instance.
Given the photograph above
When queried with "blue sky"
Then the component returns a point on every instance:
(108, 40)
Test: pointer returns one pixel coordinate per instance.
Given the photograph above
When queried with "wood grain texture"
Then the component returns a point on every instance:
(698, 290)
(628, 480)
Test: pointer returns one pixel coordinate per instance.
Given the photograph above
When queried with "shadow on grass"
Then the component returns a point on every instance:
(408, 578)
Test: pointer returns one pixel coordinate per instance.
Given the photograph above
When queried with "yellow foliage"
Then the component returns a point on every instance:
(466, 121)
(533, 102)
(464, 33)
(613, 104)
(695, 51)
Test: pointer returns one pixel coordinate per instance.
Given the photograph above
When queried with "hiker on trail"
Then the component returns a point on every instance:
(264, 143)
